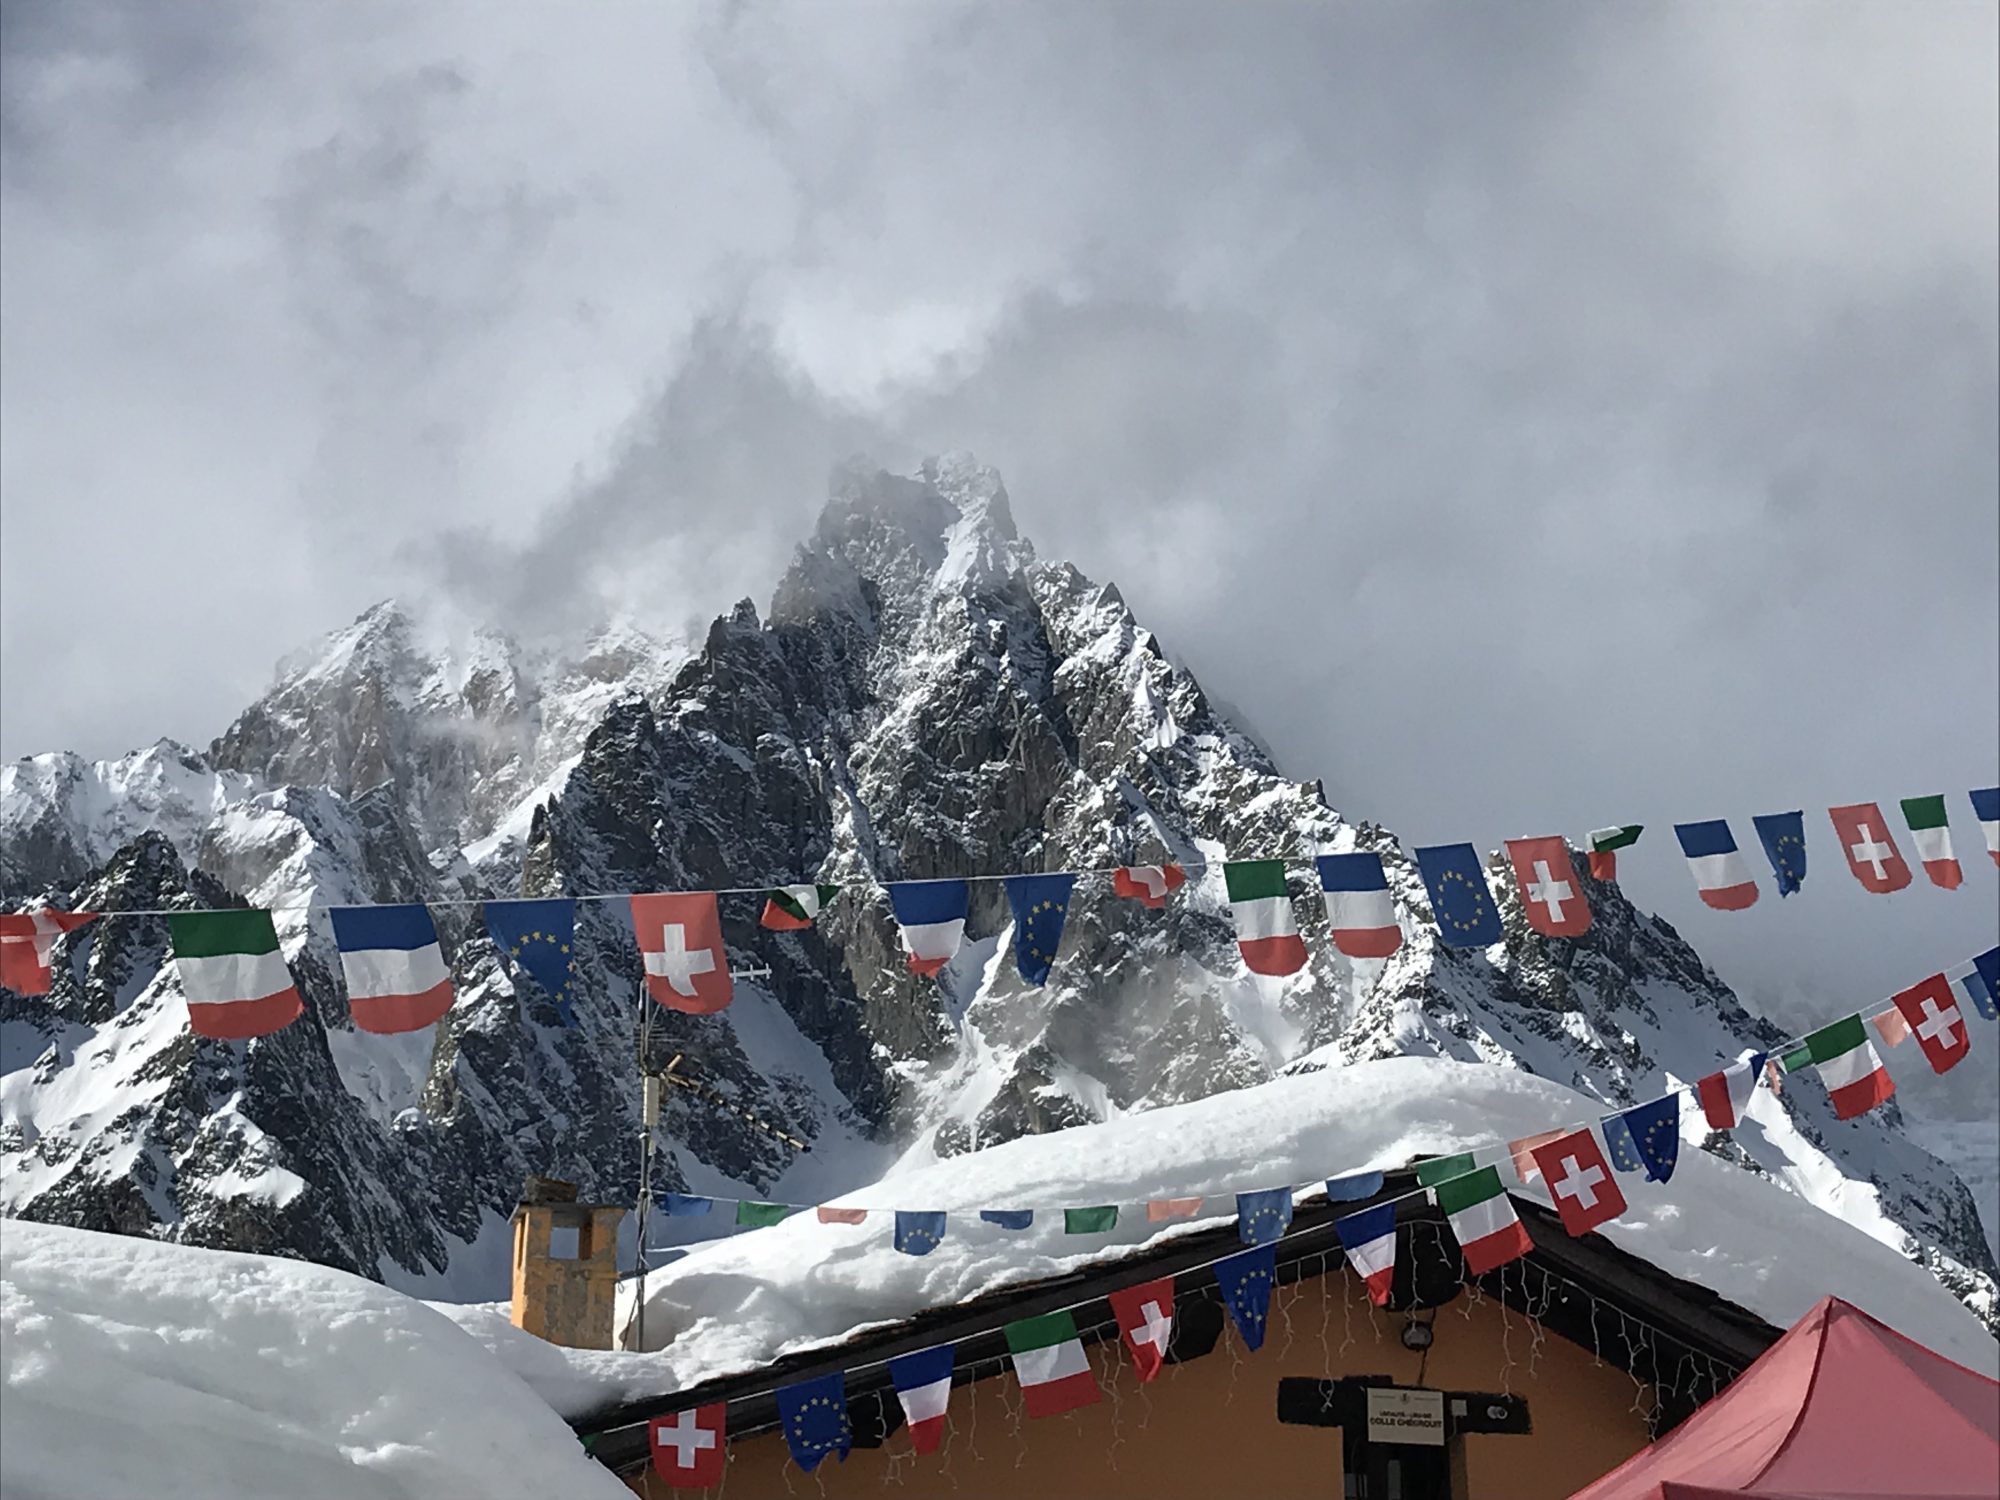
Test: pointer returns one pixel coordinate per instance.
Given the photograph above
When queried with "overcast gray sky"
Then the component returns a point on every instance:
(1531, 417)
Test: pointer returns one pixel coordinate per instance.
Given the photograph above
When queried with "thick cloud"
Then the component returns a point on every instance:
(1530, 418)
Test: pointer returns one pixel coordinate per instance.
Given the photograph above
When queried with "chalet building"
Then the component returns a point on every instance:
(1529, 1382)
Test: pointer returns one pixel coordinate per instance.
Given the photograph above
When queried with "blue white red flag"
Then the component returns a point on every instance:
(1720, 873)
(932, 916)
(396, 974)
(923, 1386)
(1358, 905)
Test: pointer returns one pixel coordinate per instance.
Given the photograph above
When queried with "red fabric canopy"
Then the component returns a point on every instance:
(1841, 1408)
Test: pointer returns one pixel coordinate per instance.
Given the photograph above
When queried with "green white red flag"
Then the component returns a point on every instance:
(1483, 1220)
(1604, 844)
(1050, 1362)
(793, 908)
(1266, 933)
(234, 977)
(1848, 1064)
(1930, 831)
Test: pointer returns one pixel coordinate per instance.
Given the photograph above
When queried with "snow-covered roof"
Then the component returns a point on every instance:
(134, 1367)
(734, 1305)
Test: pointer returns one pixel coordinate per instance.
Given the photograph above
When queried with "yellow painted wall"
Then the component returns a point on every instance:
(1210, 1428)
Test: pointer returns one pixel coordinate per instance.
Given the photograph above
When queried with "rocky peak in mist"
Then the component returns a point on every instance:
(926, 698)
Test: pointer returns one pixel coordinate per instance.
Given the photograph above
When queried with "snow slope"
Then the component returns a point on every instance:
(736, 1304)
(137, 1368)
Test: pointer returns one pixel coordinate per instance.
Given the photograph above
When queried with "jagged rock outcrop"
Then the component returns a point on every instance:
(925, 698)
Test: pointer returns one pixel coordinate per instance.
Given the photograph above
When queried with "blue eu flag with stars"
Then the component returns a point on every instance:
(1040, 903)
(1466, 915)
(1648, 1137)
(1245, 1280)
(918, 1233)
(538, 935)
(814, 1416)
(1784, 836)
(1263, 1217)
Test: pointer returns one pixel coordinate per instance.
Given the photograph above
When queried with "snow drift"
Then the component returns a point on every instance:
(133, 1367)
(735, 1304)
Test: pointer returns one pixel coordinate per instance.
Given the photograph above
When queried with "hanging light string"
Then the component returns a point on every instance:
(1106, 1329)
(1488, 1144)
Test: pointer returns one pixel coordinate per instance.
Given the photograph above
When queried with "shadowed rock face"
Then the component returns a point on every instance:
(927, 698)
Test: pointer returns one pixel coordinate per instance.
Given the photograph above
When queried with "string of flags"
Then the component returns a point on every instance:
(1643, 1138)
(239, 986)
(1578, 1164)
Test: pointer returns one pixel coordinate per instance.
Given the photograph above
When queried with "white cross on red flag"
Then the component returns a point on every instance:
(1551, 897)
(1933, 1014)
(680, 937)
(1871, 853)
(27, 941)
(1579, 1181)
(688, 1447)
(1146, 1320)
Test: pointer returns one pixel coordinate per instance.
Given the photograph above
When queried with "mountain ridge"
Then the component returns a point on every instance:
(924, 697)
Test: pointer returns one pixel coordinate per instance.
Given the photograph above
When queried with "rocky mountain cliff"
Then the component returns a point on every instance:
(925, 698)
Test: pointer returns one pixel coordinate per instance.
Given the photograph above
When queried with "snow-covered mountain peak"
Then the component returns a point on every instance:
(925, 698)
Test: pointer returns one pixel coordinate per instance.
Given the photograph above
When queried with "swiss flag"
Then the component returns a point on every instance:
(1550, 894)
(687, 1447)
(1580, 1181)
(27, 939)
(687, 968)
(1871, 851)
(1932, 1011)
(1146, 1319)
(1148, 883)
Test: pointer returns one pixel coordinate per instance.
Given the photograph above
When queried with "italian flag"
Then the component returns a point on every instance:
(792, 908)
(1265, 931)
(234, 977)
(1604, 846)
(1049, 1359)
(1930, 829)
(1848, 1065)
(1483, 1220)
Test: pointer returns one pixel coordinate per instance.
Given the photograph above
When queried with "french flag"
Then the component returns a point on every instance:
(1358, 905)
(1721, 875)
(1726, 1095)
(923, 1386)
(1986, 808)
(932, 916)
(1369, 1238)
(396, 975)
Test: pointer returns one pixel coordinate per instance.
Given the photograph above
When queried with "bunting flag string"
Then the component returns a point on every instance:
(1641, 1139)
(399, 978)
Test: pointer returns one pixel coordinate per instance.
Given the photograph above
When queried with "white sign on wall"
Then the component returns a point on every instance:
(1400, 1416)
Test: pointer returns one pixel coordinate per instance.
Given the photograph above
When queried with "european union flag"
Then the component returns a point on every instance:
(814, 1416)
(1262, 1218)
(1618, 1139)
(1040, 903)
(1784, 836)
(1466, 915)
(918, 1233)
(1008, 1218)
(1245, 1281)
(1354, 1188)
(1654, 1131)
(538, 936)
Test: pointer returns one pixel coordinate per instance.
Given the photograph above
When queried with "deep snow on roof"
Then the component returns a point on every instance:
(736, 1304)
